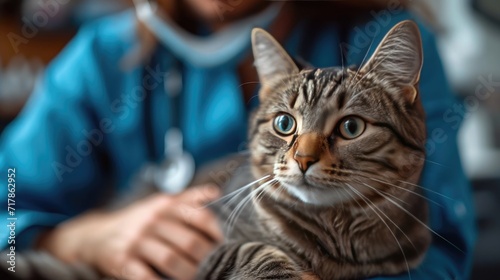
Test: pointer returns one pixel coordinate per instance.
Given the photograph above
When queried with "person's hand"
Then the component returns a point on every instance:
(169, 234)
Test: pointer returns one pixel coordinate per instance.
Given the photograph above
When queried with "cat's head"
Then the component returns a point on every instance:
(325, 134)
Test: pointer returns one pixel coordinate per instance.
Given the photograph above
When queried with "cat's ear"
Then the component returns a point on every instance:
(398, 58)
(272, 62)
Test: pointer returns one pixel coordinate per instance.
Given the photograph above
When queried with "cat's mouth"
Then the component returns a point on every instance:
(302, 181)
(313, 195)
(307, 191)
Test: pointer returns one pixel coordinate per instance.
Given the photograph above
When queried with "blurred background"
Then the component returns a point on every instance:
(469, 40)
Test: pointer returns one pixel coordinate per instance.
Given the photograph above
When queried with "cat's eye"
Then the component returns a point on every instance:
(351, 127)
(284, 124)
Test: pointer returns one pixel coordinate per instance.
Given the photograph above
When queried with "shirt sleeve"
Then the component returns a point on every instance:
(446, 186)
(54, 146)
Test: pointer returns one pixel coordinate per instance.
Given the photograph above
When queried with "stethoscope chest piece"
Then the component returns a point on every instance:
(178, 169)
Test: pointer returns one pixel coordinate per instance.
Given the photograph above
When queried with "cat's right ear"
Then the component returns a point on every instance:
(398, 58)
(272, 62)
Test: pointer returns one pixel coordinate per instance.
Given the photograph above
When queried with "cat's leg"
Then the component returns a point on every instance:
(250, 261)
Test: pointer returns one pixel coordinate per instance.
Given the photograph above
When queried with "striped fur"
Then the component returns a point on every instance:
(329, 206)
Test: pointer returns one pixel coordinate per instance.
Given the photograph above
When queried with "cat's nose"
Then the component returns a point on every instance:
(305, 161)
(307, 150)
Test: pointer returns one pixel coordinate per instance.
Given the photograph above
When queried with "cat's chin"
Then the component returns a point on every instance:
(314, 196)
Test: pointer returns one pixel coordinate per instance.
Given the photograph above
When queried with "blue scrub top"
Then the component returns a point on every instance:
(84, 129)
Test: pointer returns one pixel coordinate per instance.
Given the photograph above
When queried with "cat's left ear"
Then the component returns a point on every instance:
(272, 62)
(398, 58)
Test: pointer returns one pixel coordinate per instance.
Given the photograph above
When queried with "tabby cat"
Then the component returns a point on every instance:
(336, 153)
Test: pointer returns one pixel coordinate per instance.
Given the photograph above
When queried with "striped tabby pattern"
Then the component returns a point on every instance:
(336, 153)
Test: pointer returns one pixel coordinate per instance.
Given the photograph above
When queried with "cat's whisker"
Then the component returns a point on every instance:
(235, 193)
(364, 58)
(418, 220)
(231, 218)
(428, 190)
(368, 202)
(341, 192)
(436, 163)
(373, 188)
(391, 195)
(354, 199)
(231, 196)
(430, 161)
(283, 79)
(230, 201)
(239, 208)
(247, 83)
(281, 189)
(261, 194)
(369, 71)
(240, 205)
(251, 98)
(353, 98)
(407, 190)
(342, 60)
(244, 152)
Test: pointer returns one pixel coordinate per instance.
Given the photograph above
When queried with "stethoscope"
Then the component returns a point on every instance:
(177, 169)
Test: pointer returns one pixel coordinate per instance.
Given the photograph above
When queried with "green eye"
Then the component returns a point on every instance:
(351, 127)
(284, 124)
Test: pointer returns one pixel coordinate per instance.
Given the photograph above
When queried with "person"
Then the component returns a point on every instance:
(91, 125)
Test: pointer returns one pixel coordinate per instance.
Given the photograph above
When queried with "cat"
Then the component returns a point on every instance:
(336, 154)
